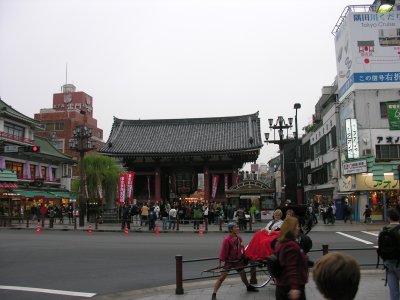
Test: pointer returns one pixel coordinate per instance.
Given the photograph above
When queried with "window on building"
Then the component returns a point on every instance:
(306, 150)
(328, 141)
(54, 126)
(16, 166)
(33, 171)
(331, 168)
(59, 144)
(383, 109)
(317, 149)
(14, 130)
(66, 171)
(387, 152)
(44, 172)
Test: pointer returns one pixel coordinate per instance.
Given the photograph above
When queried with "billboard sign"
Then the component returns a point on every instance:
(353, 150)
(367, 51)
(355, 167)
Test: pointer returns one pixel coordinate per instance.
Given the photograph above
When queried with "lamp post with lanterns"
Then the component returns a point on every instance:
(299, 159)
(81, 142)
(280, 126)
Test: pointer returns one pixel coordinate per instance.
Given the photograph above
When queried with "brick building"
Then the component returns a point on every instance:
(70, 109)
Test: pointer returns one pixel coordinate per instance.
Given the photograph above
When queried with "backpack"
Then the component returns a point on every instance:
(348, 209)
(389, 243)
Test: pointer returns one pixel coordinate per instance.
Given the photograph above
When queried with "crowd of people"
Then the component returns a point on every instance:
(146, 214)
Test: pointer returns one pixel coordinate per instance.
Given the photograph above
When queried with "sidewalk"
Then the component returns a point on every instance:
(371, 287)
(187, 228)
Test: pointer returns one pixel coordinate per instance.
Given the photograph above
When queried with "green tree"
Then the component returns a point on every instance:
(100, 169)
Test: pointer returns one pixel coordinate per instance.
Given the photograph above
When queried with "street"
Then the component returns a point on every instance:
(109, 262)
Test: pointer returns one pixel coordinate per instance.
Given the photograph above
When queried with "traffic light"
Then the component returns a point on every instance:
(34, 149)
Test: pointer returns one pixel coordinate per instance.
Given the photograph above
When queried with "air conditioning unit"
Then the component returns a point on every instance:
(367, 152)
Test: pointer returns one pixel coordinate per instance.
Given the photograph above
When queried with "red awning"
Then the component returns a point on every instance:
(4, 185)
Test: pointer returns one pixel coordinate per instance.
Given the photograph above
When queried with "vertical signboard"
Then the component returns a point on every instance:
(352, 139)
(367, 51)
(393, 109)
(122, 188)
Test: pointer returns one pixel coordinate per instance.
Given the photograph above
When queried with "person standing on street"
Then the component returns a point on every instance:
(390, 252)
(70, 211)
(367, 214)
(347, 213)
(290, 284)
(233, 255)
(172, 218)
(43, 212)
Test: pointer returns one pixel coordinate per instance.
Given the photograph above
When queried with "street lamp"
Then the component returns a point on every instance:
(279, 126)
(298, 155)
(81, 142)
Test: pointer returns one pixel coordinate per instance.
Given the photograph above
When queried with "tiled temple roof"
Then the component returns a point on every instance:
(184, 136)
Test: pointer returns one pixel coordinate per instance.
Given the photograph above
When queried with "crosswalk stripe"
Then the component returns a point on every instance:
(47, 291)
(371, 233)
(355, 238)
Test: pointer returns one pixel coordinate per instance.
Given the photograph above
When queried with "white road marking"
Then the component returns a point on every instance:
(47, 291)
(371, 233)
(355, 238)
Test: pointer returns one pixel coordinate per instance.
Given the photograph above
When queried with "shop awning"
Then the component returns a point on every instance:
(4, 185)
(35, 194)
(64, 194)
(316, 169)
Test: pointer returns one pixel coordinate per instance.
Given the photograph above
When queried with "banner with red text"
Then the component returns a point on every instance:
(122, 188)
(226, 181)
(130, 180)
(214, 185)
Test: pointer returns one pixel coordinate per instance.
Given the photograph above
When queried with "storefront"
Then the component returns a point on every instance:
(379, 193)
(249, 193)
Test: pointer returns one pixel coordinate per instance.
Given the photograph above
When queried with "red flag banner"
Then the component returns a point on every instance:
(122, 188)
(226, 181)
(214, 185)
(129, 185)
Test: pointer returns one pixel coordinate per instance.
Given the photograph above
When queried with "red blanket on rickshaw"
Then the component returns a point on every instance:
(259, 247)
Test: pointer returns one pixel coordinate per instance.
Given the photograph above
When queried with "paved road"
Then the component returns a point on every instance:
(109, 262)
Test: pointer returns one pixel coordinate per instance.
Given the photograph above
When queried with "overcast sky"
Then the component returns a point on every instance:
(163, 59)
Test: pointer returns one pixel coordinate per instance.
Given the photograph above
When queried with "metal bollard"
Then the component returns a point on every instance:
(96, 226)
(324, 249)
(206, 223)
(220, 225)
(74, 222)
(27, 221)
(179, 285)
(177, 223)
(250, 223)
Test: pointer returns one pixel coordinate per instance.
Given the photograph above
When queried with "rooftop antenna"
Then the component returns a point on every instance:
(66, 73)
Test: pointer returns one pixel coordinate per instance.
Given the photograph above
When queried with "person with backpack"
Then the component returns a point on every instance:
(367, 214)
(293, 262)
(233, 255)
(389, 251)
